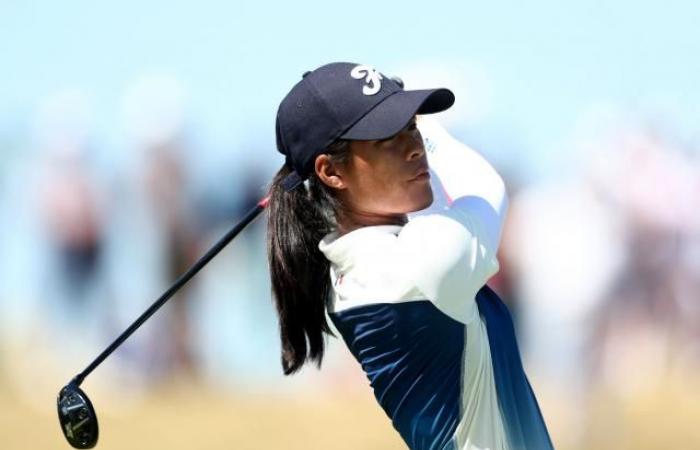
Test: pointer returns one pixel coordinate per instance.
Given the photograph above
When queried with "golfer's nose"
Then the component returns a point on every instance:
(415, 149)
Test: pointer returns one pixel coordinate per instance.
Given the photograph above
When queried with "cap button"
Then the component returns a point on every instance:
(398, 81)
(305, 74)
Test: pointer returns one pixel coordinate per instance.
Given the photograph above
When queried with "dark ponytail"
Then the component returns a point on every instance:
(298, 270)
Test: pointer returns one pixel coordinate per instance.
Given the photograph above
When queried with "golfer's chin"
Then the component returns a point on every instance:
(421, 199)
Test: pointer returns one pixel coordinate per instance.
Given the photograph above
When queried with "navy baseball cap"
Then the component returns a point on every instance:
(345, 101)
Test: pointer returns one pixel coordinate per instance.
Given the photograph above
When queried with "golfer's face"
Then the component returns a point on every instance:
(389, 176)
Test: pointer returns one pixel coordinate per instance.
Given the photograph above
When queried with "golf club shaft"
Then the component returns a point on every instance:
(252, 214)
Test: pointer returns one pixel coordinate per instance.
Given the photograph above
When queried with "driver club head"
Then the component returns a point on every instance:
(77, 417)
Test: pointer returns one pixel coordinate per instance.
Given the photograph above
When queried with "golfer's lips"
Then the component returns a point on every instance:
(422, 174)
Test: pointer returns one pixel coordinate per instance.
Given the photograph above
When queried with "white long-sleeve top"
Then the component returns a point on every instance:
(446, 252)
(405, 301)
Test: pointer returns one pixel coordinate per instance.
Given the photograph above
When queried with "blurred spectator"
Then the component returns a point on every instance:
(505, 282)
(71, 212)
(159, 197)
(648, 322)
(58, 298)
(73, 296)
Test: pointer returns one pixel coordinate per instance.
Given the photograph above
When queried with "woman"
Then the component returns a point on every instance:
(409, 297)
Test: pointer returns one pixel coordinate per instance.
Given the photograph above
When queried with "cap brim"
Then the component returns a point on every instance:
(393, 114)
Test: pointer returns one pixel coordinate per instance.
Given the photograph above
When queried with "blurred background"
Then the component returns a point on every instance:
(134, 134)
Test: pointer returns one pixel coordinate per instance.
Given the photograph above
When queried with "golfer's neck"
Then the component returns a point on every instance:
(349, 220)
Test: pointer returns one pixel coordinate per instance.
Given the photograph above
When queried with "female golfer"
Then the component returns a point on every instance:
(408, 295)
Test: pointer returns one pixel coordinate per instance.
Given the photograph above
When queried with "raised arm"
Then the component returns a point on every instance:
(449, 249)
(463, 180)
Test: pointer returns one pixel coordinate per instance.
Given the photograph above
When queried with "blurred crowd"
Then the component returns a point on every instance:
(90, 241)
(600, 264)
(601, 267)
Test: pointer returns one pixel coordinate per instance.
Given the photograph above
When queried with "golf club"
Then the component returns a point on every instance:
(75, 411)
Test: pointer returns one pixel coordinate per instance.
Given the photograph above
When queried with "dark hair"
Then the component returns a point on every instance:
(299, 271)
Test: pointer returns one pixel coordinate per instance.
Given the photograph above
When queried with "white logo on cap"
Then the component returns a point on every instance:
(372, 78)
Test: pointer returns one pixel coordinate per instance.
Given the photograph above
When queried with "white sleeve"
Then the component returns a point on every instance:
(463, 181)
(449, 250)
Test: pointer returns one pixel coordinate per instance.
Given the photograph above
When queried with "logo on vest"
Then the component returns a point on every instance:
(371, 76)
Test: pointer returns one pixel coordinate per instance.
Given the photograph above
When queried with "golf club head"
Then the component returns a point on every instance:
(77, 417)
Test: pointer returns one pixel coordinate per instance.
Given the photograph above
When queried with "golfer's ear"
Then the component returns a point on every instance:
(329, 173)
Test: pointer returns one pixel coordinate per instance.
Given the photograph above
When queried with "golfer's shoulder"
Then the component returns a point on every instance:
(366, 268)
(441, 237)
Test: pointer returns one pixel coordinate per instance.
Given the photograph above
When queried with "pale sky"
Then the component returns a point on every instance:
(524, 72)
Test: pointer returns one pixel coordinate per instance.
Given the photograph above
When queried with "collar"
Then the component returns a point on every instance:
(337, 249)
